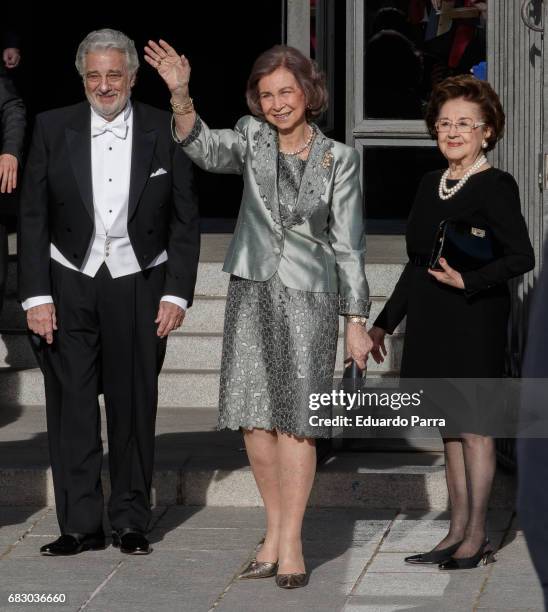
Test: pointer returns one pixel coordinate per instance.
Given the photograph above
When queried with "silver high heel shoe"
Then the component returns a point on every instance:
(259, 569)
(291, 581)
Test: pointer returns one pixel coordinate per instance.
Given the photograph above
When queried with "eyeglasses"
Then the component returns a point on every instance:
(464, 126)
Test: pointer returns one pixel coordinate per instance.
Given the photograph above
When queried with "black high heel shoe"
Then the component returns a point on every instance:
(434, 556)
(483, 555)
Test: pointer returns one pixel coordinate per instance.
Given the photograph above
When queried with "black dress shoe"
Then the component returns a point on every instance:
(74, 543)
(485, 554)
(131, 542)
(434, 556)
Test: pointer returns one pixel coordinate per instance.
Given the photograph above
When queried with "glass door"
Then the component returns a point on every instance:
(397, 50)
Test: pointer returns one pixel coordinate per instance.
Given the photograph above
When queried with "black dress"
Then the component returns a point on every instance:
(455, 333)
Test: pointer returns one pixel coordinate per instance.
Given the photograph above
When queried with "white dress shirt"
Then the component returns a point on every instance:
(111, 144)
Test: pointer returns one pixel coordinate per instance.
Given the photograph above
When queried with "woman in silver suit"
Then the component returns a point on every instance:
(296, 262)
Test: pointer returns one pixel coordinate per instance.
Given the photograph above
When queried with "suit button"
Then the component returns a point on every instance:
(150, 231)
(68, 229)
(75, 256)
(277, 251)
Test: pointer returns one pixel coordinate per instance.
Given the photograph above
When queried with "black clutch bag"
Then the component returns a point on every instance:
(464, 246)
(351, 370)
(352, 378)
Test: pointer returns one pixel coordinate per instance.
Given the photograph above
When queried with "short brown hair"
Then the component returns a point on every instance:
(472, 90)
(306, 72)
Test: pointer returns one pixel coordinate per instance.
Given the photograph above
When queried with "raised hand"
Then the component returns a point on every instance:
(173, 68)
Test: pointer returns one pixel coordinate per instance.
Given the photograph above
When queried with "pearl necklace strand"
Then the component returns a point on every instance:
(448, 192)
(306, 144)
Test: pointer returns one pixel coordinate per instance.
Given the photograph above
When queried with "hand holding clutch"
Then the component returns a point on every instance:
(447, 275)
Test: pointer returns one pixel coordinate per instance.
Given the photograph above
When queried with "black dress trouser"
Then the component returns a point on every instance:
(105, 342)
(3, 261)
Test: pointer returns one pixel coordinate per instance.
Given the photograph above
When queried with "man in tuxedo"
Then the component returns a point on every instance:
(12, 135)
(108, 255)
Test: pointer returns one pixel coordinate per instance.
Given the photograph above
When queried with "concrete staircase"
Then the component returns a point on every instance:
(191, 369)
(196, 465)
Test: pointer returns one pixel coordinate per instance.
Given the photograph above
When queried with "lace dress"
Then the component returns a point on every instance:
(279, 344)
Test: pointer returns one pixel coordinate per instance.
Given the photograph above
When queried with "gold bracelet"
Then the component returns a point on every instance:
(359, 320)
(182, 109)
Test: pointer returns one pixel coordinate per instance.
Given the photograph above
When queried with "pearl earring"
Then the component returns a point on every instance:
(484, 145)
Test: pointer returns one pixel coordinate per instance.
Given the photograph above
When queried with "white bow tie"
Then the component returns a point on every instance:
(118, 127)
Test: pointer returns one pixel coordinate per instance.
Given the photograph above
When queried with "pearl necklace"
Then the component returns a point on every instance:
(306, 144)
(448, 192)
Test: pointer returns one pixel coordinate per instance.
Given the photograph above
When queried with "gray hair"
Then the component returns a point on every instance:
(107, 39)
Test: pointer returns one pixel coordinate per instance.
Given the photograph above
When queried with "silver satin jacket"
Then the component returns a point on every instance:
(321, 247)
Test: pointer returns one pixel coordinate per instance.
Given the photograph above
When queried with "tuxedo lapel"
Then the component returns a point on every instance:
(78, 137)
(144, 140)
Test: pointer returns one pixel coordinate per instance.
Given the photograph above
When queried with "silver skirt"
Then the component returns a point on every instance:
(279, 346)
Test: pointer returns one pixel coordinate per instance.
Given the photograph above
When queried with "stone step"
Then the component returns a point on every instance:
(197, 351)
(177, 388)
(196, 465)
(212, 281)
(206, 315)
(382, 482)
(382, 277)
(204, 352)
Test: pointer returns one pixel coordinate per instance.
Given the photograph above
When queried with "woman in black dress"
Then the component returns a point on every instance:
(457, 323)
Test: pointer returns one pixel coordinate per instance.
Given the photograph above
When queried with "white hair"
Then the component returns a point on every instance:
(107, 39)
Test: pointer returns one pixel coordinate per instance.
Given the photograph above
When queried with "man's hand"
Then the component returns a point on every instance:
(449, 276)
(8, 172)
(42, 321)
(170, 317)
(11, 57)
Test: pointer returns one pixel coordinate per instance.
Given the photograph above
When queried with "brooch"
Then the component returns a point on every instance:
(327, 159)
